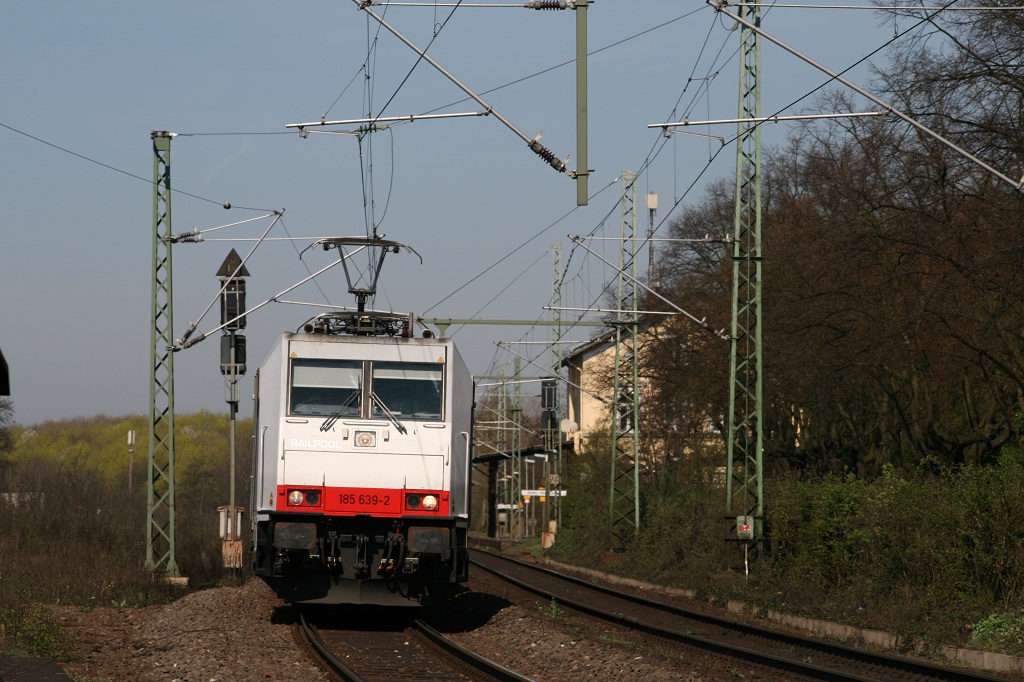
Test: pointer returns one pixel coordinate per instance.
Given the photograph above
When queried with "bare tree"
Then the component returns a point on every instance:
(903, 309)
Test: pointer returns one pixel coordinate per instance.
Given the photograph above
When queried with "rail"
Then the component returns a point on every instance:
(795, 654)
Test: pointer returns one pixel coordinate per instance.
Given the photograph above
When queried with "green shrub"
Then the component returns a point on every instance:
(922, 555)
(583, 535)
(1000, 632)
(29, 631)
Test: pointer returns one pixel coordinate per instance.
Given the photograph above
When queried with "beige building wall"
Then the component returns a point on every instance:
(590, 389)
(590, 374)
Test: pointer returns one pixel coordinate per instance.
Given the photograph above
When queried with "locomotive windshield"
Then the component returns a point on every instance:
(334, 388)
(326, 387)
(409, 390)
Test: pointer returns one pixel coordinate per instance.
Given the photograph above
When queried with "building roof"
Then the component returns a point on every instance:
(601, 341)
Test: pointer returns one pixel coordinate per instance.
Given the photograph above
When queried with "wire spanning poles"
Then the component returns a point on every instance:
(368, 125)
(533, 143)
(720, 6)
(701, 322)
(529, 4)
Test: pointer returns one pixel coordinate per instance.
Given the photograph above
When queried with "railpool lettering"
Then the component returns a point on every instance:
(313, 443)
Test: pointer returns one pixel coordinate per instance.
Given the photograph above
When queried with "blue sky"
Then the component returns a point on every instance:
(94, 79)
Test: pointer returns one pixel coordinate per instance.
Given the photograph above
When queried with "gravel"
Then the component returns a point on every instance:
(246, 634)
(225, 634)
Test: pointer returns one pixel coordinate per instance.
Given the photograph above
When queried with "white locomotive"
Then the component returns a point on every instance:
(361, 464)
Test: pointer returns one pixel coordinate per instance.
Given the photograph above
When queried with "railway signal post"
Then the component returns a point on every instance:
(232, 366)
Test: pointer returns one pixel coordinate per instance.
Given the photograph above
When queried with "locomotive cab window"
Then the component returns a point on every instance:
(409, 390)
(326, 387)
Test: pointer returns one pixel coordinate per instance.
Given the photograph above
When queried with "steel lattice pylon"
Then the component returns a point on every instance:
(516, 449)
(504, 493)
(552, 431)
(744, 504)
(160, 509)
(625, 432)
(506, 430)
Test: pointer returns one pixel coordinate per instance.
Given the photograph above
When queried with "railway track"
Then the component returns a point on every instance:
(792, 655)
(380, 652)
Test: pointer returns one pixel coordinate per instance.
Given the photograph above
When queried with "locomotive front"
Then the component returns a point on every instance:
(361, 473)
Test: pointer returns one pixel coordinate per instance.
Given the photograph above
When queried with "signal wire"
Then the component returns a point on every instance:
(736, 137)
(420, 57)
(366, 161)
(148, 181)
(501, 291)
(570, 61)
(515, 250)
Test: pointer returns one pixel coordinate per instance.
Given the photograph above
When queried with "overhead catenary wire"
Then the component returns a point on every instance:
(148, 181)
(907, 8)
(230, 133)
(788, 106)
(569, 62)
(515, 250)
(182, 344)
(530, 4)
(676, 203)
(701, 322)
(657, 147)
(365, 156)
(570, 383)
(219, 203)
(532, 143)
(505, 288)
(361, 69)
(834, 77)
(1016, 184)
(183, 341)
(422, 55)
(364, 68)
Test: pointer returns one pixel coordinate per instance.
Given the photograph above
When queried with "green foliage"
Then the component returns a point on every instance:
(585, 508)
(1012, 453)
(680, 520)
(551, 610)
(1000, 632)
(923, 555)
(29, 631)
(99, 445)
(933, 551)
(74, 531)
(6, 419)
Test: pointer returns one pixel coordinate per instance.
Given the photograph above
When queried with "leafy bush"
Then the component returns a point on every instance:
(923, 556)
(30, 632)
(679, 534)
(1002, 632)
(583, 535)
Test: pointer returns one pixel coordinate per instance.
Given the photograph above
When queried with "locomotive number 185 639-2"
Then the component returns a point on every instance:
(365, 500)
(377, 501)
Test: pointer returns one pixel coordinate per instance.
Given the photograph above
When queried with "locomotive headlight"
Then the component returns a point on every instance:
(412, 501)
(429, 502)
(295, 498)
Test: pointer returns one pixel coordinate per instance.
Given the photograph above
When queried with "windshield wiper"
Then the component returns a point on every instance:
(330, 421)
(387, 413)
